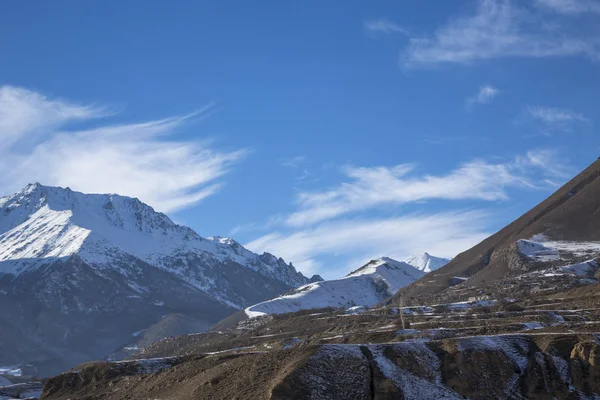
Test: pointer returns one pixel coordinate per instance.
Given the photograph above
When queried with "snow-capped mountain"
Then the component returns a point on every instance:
(426, 262)
(368, 285)
(43, 223)
(73, 263)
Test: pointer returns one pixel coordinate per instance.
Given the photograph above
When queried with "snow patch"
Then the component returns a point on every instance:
(539, 248)
(537, 251)
(414, 387)
(11, 371)
(150, 365)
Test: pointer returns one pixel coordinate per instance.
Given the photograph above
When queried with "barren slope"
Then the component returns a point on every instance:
(572, 213)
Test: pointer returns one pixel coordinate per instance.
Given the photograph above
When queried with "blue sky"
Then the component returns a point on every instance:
(325, 133)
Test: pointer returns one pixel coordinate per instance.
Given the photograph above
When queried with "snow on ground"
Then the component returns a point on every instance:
(356, 310)
(138, 333)
(32, 394)
(365, 287)
(414, 387)
(150, 365)
(417, 310)
(293, 342)
(537, 251)
(528, 326)
(514, 347)
(14, 370)
(539, 248)
(28, 390)
(581, 269)
(230, 350)
(4, 381)
(464, 305)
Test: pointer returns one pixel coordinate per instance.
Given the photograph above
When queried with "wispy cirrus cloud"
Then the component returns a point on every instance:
(140, 159)
(553, 120)
(485, 95)
(341, 221)
(360, 240)
(370, 187)
(549, 161)
(555, 116)
(495, 29)
(384, 26)
(293, 162)
(571, 6)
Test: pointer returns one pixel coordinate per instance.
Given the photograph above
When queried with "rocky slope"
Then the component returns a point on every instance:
(484, 367)
(80, 274)
(569, 218)
(367, 286)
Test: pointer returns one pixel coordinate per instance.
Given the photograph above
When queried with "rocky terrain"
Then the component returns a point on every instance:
(479, 350)
(83, 276)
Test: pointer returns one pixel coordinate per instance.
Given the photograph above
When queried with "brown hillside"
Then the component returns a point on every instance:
(571, 213)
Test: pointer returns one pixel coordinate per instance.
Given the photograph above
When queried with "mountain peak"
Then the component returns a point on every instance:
(374, 265)
(372, 283)
(41, 223)
(426, 262)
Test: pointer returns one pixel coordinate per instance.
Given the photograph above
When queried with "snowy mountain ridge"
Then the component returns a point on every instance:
(426, 262)
(367, 286)
(80, 274)
(41, 224)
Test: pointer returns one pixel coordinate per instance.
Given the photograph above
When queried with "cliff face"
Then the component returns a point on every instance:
(483, 367)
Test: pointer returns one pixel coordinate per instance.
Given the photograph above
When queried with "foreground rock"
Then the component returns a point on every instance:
(528, 366)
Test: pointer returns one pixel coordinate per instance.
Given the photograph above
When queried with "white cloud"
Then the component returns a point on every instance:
(555, 116)
(384, 26)
(548, 161)
(315, 232)
(376, 186)
(444, 234)
(498, 28)
(571, 6)
(139, 160)
(485, 95)
(26, 115)
(293, 162)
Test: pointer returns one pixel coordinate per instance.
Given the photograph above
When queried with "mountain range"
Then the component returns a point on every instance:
(372, 283)
(514, 317)
(81, 273)
(83, 276)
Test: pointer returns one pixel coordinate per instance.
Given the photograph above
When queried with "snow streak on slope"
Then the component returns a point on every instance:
(372, 283)
(41, 224)
(426, 263)
(539, 248)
